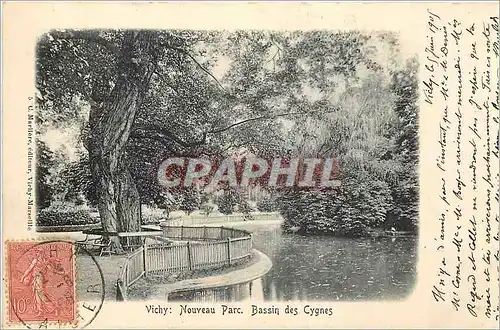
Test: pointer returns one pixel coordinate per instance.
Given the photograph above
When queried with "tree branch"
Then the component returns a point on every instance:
(220, 130)
(185, 52)
(166, 82)
(161, 132)
(89, 36)
(157, 138)
(232, 146)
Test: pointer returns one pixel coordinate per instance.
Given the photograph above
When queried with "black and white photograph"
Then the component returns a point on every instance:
(231, 165)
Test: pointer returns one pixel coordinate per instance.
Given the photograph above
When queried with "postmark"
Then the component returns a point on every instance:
(43, 286)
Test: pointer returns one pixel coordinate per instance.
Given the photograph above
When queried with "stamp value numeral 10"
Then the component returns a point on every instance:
(21, 305)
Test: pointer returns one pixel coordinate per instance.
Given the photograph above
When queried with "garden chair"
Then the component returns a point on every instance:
(106, 248)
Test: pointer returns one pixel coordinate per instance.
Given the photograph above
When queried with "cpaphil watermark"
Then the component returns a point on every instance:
(242, 172)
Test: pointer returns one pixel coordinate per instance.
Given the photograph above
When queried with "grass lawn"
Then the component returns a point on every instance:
(87, 274)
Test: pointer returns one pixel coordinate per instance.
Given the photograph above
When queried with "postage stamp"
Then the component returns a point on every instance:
(41, 282)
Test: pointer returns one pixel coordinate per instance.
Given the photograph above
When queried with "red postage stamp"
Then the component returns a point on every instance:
(41, 282)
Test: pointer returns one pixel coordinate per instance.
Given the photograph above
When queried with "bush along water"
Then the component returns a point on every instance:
(351, 211)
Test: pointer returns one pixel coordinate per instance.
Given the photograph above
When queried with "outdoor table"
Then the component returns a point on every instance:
(126, 235)
(90, 242)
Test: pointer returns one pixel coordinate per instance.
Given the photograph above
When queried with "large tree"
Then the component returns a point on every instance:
(112, 71)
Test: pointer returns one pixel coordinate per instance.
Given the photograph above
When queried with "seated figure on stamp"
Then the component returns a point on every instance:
(36, 277)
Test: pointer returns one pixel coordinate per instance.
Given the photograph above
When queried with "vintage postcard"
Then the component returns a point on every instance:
(250, 165)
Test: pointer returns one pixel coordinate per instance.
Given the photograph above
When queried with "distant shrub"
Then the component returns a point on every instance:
(267, 205)
(153, 219)
(208, 208)
(52, 217)
(152, 214)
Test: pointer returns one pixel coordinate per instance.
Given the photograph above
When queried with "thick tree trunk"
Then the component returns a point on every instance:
(110, 124)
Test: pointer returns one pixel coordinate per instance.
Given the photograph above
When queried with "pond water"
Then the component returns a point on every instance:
(330, 268)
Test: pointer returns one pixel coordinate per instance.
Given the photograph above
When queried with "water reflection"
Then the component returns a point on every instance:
(324, 268)
(328, 268)
(251, 291)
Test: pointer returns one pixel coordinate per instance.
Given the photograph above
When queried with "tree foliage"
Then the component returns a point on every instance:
(374, 135)
(44, 162)
(136, 97)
